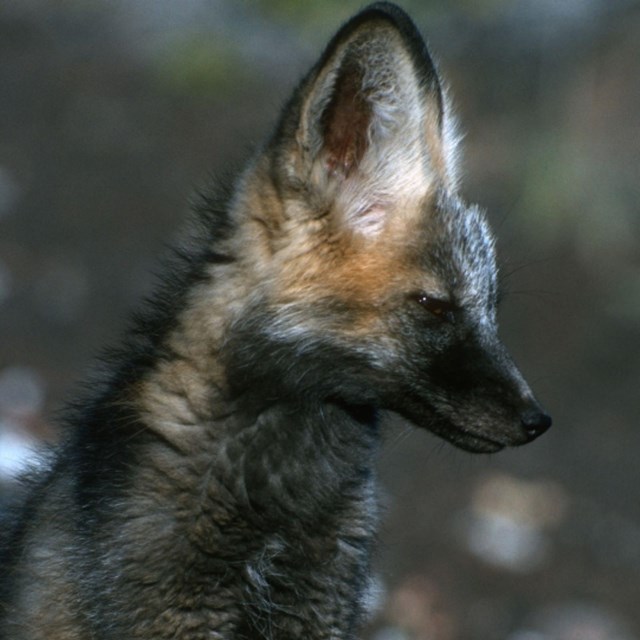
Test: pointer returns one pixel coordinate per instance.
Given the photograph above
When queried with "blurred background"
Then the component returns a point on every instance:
(113, 111)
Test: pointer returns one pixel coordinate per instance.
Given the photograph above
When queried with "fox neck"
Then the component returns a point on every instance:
(275, 458)
(274, 501)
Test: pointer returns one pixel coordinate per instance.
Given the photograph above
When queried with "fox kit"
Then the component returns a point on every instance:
(218, 482)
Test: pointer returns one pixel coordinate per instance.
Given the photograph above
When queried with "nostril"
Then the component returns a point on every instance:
(535, 423)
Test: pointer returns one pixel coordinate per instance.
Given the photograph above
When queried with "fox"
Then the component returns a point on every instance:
(218, 480)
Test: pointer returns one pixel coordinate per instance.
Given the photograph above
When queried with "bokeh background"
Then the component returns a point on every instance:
(113, 111)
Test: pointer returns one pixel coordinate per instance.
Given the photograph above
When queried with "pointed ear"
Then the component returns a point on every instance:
(368, 126)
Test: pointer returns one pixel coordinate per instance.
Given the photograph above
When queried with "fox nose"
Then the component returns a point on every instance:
(535, 422)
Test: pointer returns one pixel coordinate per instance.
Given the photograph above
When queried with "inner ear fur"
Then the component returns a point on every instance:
(366, 91)
(376, 75)
(345, 122)
(367, 127)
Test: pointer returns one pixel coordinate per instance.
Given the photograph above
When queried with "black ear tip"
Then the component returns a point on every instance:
(378, 12)
(404, 25)
(389, 8)
(388, 11)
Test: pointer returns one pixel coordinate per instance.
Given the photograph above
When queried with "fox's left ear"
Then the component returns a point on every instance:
(368, 127)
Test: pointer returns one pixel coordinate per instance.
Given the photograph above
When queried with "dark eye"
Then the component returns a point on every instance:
(441, 309)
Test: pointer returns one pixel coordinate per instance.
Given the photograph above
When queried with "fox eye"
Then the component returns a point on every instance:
(441, 309)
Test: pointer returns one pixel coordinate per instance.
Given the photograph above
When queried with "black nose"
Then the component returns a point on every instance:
(535, 422)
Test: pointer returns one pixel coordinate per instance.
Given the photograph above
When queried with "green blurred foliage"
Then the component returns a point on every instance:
(201, 65)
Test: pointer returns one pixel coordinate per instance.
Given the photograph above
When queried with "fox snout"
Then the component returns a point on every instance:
(480, 400)
(503, 372)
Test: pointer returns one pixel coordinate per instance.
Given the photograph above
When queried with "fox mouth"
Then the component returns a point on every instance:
(478, 441)
(471, 442)
(462, 434)
(461, 437)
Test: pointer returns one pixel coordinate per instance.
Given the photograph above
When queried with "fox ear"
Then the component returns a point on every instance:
(367, 128)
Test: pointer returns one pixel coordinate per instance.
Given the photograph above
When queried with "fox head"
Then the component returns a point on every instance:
(374, 285)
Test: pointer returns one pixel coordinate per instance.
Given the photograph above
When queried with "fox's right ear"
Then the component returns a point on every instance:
(367, 127)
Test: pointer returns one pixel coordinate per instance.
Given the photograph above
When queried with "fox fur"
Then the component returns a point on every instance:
(219, 481)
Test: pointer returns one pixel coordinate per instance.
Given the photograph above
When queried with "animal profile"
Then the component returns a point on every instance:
(219, 480)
